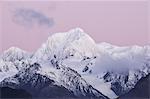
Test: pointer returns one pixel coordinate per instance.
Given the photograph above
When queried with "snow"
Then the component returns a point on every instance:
(49, 71)
(100, 85)
(120, 59)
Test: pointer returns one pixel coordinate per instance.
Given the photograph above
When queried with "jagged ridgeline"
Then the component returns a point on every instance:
(72, 65)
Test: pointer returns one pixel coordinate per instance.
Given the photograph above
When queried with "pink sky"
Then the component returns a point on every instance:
(117, 22)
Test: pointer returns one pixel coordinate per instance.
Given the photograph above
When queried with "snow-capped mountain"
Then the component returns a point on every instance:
(13, 54)
(72, 63)
(11, 61)
(64, 45)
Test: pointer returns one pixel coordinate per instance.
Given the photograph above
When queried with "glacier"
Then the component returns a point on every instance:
(71, 62)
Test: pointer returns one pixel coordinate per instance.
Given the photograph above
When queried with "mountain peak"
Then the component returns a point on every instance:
(77, 30)
(77, 33)
(13, 54)
(14, 49)
(73, 41)
(72, 34)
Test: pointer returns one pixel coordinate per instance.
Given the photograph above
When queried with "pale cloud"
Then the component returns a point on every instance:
(31, 18)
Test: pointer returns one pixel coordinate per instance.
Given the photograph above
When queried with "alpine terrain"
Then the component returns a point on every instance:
(72, 65)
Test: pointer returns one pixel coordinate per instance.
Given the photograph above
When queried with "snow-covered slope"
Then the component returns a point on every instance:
(37, 78)
(7, 69)
(120, 68)
(11, 62)
(72, 62)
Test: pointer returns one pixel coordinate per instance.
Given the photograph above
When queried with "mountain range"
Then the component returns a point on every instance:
(72, 65)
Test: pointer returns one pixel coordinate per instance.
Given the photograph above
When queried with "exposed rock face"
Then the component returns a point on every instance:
(141, 90)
